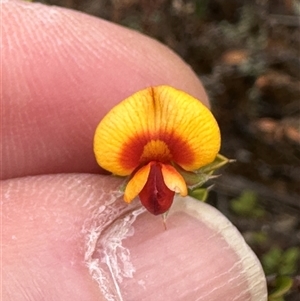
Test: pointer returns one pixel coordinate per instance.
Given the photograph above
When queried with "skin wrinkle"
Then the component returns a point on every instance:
(63, 53)
(216, 287)
(23, 293)
(23, 117)
(28, 55)
(235, 280)
(239, 296)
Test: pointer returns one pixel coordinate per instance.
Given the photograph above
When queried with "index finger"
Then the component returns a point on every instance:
(62, 72)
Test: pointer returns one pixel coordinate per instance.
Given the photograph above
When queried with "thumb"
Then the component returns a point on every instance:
(72, 237)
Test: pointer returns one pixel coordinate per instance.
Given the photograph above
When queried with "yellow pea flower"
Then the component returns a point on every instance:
(149, 136)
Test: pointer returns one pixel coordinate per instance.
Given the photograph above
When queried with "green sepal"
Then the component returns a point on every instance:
(219, 162)
(193, 179)
(200, 194)
(196, 179)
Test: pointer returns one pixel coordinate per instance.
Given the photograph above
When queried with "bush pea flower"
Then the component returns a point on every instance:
(162, 139)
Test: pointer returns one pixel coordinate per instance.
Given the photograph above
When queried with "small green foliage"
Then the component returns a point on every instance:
(201, 176)
(200, 194)
(247, 205)
(260, 237)
(193, 179)
(281, 286)
(271, 261)
(256, 238)
(219, 162)
(280, 262)
(196, 180)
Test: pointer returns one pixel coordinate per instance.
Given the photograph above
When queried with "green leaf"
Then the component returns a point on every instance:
(289, 261)
(247, 205)
(281, 262)
(257, 238)
(271, 261)
(282, 285)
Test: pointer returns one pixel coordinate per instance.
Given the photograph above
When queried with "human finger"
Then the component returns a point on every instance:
(72, 237)
(63, 70)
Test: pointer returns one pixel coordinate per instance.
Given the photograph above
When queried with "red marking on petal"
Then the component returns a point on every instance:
(156, 196)
(132, 152)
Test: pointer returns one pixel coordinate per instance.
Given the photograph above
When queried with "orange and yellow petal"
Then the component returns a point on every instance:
(160, 124)
(173, 180)
(136, 183)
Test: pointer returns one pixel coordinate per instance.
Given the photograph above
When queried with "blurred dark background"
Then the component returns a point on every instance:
(246, 53)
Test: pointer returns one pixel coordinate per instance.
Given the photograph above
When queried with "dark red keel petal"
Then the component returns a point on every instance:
(156, 196)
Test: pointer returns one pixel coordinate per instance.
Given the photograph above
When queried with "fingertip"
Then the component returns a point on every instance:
(63, 70)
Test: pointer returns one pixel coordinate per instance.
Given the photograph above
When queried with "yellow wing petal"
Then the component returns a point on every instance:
(136, 183)
(173, 180)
